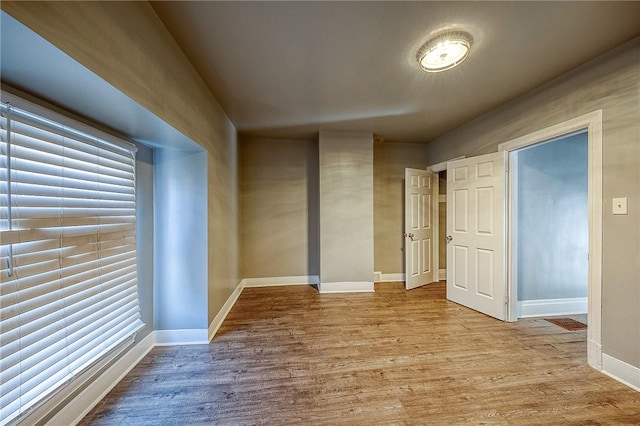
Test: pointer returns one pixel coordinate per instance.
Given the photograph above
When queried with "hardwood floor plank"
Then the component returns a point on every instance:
(289, 355)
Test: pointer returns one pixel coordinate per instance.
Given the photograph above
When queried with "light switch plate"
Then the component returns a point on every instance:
(620, 206)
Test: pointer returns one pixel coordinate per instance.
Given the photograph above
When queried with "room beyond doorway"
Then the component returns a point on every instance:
(549, 224)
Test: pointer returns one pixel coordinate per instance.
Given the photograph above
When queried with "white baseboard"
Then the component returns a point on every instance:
(377, 277)
(256, 282)
(594, 354)
(621, 371)
(400, 276)
(195, 336)
(224, 311)
(389, 278)
(347, 287)
(278, 281)
(73, 412)
(442, 275)
(552, 307)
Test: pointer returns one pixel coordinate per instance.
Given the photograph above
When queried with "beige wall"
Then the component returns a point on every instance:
(390, 160)
(346, 207)
(279, 207)
(127, 45)
(610, 83)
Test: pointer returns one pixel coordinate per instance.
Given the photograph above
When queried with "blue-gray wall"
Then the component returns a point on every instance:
(552, 214)
(144, 234)
(180, 240)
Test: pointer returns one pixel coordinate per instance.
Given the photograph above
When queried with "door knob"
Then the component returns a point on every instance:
(409, 236)
(449, 238)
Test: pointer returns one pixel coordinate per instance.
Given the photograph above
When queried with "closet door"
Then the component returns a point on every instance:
(418, 227)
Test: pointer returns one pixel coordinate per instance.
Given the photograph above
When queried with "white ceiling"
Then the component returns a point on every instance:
(290, 69)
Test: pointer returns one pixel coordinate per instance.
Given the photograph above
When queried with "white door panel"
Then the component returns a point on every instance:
(475, 229)
(418, 233)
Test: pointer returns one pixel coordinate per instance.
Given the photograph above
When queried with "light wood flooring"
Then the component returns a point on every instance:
(288, 355)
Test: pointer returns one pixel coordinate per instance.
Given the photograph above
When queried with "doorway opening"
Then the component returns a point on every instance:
(490, 213)
(549, 232)
(440, 216)
(442, 225)
(591, 125)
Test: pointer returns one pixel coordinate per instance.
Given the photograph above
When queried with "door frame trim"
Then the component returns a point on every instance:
(441, 167)
(592, 122)
(435, 225)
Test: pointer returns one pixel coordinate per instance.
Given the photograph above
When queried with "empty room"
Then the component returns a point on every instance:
(319, 213)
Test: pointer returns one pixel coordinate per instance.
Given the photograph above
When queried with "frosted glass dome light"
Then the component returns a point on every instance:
(444, 51)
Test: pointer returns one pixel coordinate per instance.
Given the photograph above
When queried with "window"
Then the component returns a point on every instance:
(68, 266)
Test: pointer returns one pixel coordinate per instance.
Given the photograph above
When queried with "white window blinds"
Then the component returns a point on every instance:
(68, 283)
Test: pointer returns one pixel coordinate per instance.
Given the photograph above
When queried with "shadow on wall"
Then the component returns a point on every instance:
(313, 211)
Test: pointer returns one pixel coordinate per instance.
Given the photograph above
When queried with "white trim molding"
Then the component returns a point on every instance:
(591, 121)
(594, 354)
(194, 336)
(551, 307)
(377, 276)
(621, 371)
(74, 411)
(391, 278)
(347, 287)
(224, 311)
(279, 281)
(256, 282)
(441, 167)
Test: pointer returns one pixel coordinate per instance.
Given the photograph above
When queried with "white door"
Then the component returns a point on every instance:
(418, 227)
(475, 233)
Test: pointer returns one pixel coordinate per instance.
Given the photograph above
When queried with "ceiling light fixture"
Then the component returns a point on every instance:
(444, 52)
